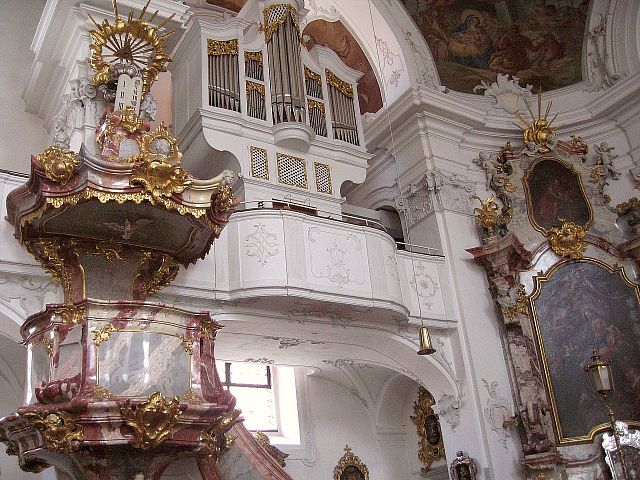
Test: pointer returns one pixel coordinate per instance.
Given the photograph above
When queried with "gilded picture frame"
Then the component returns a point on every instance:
(555, 194)
(350, 467)
(428, 429)
(575, 306)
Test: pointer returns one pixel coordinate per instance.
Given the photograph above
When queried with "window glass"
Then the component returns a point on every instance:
(258, 407)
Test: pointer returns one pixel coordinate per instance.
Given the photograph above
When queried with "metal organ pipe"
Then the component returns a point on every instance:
(224, 84)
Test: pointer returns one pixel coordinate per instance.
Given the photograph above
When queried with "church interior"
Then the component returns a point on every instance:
(320, 239)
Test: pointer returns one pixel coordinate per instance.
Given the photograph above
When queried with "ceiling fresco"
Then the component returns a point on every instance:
(334, 35)
(233, 5)
(539, 41)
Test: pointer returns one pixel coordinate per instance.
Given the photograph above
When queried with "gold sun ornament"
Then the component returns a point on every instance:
(539, 131)
(129, 41)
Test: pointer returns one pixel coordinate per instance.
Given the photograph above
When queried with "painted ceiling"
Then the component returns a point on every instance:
(539, 41)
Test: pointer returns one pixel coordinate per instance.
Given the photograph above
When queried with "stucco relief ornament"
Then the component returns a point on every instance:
(497, 413)
(600, 75)
(602, 168)
(448, 408)
(568, 240)
(58, 163)
(261, 244)
(506, 93)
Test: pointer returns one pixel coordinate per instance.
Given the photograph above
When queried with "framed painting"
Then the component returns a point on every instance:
(554, 195)
(350, 467)
(576, 306)
(428, 429)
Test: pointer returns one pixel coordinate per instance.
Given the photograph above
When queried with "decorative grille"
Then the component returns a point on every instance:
(259, 163)
(323, 178)
(292, 171)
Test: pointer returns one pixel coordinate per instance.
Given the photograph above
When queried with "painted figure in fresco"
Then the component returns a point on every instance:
(510, 52)
(471, 44)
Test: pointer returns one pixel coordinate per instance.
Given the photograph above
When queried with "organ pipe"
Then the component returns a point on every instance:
(224, 83)
(343, 113)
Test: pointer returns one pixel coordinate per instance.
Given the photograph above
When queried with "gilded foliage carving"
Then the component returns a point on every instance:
(59, 431)
(431, 446)
(58, 164)
(151, 421)
(214, 439)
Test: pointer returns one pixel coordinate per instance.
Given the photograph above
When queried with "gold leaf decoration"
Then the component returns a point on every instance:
(428, 428)
(128, 41)
(213, 439)
(223, 200)
(58, 164)
(103, 335)
(341, 85)
(275, 15)
(222, 47)
(59, 431)
(350, 462)
(151, 421)
(568, 240)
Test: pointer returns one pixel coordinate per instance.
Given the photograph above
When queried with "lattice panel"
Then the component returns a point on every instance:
(259, 163)
(292, 171)
(323, 178)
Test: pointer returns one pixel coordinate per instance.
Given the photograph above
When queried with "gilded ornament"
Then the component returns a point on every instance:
(209, 328)
(186, 344)
(568, 240)
(47, 251)
(539, 131)
(126, 120)
(223, 200)
(257, 87)
(311, 75)
(103, 335)
(277, 454)
(129, 41)
(189, 395)
(58, 164)
(72, 314)
(344, 87)
(214, 439)
(350, 461)
(428, 429)
(579, 144)
(153, 420)
(222, 47)
(159, 269)
(160, 179)
(253, 56)
(275, 15)
(520, 307)
(491, 217)
(58, 430)
(101, 393)
(48, 346)
(314, 104)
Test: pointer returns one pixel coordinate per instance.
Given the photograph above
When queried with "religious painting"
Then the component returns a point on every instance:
(554, 195)
(350, 467)
(334, 35)
(475, 40)
(428, 429)
(577, 306)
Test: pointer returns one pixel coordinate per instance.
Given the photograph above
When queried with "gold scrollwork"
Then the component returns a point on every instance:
(275, 15)
(344, 87)
(428, 428)
(129, 40)
(350, 461)
(47, 251)
(158, 146)
(253, 56)
(568, 240)
(277, 454)
(214, 439)
(58, 164)
(151, 421)
(489, 215)
(222, 47)
(59, 431)
(189, 395)
(310, 74)
(159, 269)
(255, 87)
(103, 335)
(520, 307)
(48, 346)
(223, 200)
(209, 328)
(160, 179)
(101, 393)
(314, 104)
(186, 344)
(72, 314)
